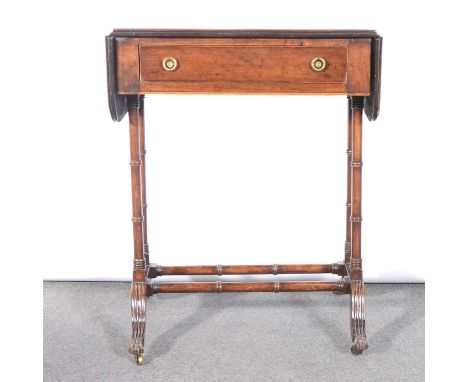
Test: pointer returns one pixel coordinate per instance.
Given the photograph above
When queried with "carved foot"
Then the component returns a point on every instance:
(358, 317)
(138, 296)
(359, 345)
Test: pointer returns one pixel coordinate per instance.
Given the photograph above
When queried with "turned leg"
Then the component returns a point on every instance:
(348, 185)
(138, 288)
(358, 333)
(141, 129)
(347, 251)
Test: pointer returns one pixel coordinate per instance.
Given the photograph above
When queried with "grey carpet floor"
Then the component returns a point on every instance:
(231, 337)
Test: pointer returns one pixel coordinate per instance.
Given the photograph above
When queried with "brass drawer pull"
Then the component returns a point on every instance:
(318, 64)
(169, 64)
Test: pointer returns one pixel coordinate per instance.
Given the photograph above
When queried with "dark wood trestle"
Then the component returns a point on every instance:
(315, 62)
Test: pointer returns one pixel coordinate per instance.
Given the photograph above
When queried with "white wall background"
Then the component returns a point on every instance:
(231, 179)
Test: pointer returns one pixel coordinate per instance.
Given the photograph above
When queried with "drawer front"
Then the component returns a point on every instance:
(265, 66)
(277, 64)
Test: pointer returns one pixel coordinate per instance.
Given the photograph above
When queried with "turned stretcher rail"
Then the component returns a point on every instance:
(220, 286)
(275, 269)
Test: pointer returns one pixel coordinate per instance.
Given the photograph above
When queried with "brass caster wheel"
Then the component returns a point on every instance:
(139, 359)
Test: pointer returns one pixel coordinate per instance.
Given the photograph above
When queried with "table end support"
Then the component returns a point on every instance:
(138, 288)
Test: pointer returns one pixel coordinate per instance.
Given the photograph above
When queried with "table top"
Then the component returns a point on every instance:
(246, 33)
(117, 101)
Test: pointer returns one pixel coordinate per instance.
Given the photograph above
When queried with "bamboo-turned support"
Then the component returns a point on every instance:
(348, 184)
(219, 270)
(358, 308)
(138, 288)
(221, 286)
(356, 105)
(141, 130)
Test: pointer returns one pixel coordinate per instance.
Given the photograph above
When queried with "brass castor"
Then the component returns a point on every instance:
(139, 359)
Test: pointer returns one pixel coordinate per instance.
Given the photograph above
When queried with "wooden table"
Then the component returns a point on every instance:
(322, 62)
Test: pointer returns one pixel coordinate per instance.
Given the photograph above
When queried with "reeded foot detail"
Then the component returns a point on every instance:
(136, 346)
(138, 307)
(358, 317)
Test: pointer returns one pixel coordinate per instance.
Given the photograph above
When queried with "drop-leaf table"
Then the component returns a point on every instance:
(318, 62)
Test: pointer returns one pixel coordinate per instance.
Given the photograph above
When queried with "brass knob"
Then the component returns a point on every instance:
(318, 64)
(169, 64)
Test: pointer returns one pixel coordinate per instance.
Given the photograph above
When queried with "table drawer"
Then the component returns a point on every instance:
(275, 64)
(266, 66)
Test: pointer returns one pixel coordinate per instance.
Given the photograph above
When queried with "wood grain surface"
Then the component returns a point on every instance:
(244, 66)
